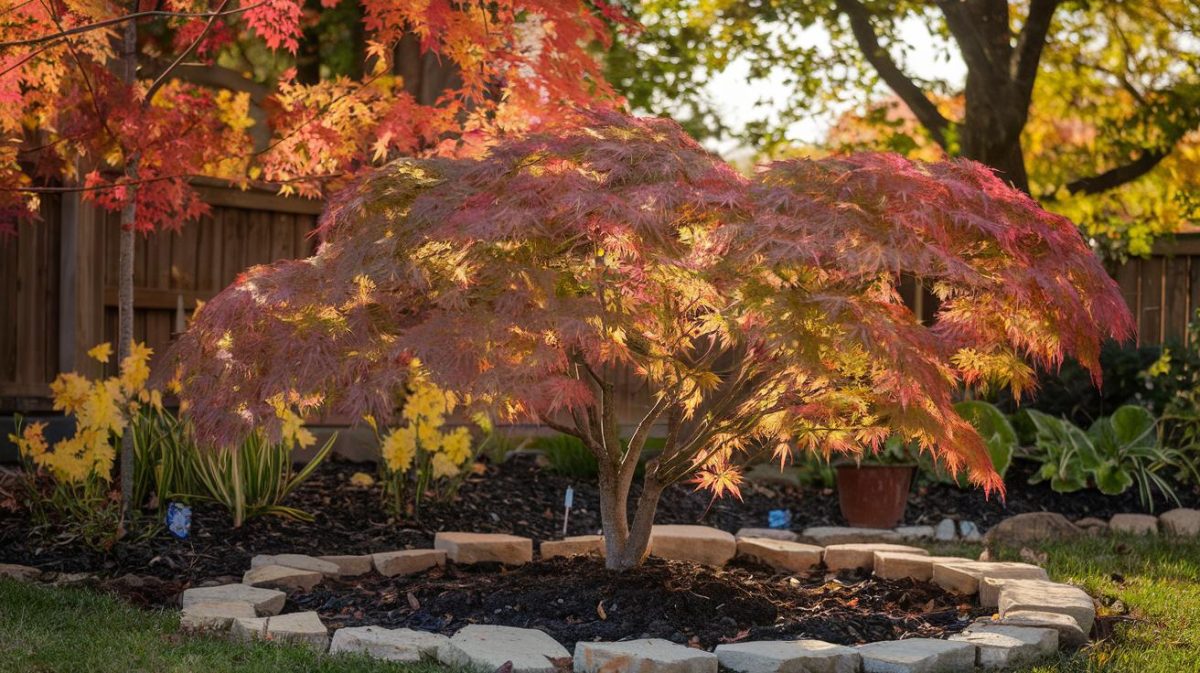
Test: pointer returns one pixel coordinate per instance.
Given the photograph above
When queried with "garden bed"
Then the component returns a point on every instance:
(577, 599)
(517, 497)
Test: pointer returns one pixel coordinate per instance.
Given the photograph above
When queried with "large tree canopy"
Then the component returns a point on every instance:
(1092, 107)
(761, 314)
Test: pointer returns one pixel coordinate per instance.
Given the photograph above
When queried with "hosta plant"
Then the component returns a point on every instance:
(1116, 453)
(761, 314)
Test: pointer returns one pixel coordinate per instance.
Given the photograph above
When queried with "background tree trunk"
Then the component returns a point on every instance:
(125, 284)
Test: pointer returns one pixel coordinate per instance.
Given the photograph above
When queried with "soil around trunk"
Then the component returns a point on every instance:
(578, 599)
(517, 497)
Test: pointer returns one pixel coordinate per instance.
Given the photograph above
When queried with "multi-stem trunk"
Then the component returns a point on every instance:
(626, 542)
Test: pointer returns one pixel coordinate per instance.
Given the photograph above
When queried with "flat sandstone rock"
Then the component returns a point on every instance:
(1039, 596)
(790, 556)
(299, 561)
(917, 655)
(649, 655)
(265, 601)
(296, 627)
(404, 645)
(789, 656)
(407, 561)
(469, 548)
(698, 544)
(282, 577)
(217, 616)
(578, 545)
(1003, 646)
(862, 556)
(490, 647)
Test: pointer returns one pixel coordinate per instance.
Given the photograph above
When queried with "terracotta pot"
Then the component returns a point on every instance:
(873, 496)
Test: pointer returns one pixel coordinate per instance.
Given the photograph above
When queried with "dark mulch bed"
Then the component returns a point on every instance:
(516, 497)
(578, 599)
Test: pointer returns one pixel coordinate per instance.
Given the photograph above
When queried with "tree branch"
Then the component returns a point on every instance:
(1027, 55)
(1115, 177)
(912, 95)
(162, 77)
(64, 33)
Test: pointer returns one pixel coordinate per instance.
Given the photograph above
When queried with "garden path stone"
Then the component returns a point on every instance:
(862, 556)
(490, 647)
(213, 616)
(917, 655)
(827, 535)
(1136, 524)
(767, 534)
(578, 545)
(407, 561)
(965, 577)
(649, 655)
(265, 601)
(893, 565)
(1020, 595)
(789, 656)
(298, 561)
(699, 544)
(1069, 633)
(1030, 527)
(916, 532)
(351, 566)
(295, 627)
(282, 577)
(1001, 646)
(1181, 521)
(791, 556)
(485, 547)
(404, 645)
(19, 572)
(946, 531)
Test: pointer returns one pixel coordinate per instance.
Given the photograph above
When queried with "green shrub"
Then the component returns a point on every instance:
(1115, 453)
(568, 456)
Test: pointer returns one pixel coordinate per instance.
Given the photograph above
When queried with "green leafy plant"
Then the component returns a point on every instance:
(254, 478)
(568, 456)
(1114, 454)
(998, 435)
(164, 466)
(1175, 380)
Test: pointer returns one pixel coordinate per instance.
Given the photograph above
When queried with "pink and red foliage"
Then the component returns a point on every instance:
(759, 312)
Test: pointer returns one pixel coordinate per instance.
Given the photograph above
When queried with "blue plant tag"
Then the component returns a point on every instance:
(779, 518)
(179, 519)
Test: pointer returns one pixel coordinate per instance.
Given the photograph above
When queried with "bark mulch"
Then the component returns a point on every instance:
(578, 599)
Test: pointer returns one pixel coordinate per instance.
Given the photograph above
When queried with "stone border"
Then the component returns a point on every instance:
(1034, 618)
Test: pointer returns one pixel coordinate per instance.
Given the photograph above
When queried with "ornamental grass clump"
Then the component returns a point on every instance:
(760, 314)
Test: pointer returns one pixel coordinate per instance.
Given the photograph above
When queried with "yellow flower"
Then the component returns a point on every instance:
(443, 467)
(100, 352)
(70, 391)
(456, 446)
(32, 442)
(398, 449)
(362, 480)
(102, 409)
(135, 368)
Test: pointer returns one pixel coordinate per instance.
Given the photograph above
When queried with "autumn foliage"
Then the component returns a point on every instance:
(763, 314)
(68, 119)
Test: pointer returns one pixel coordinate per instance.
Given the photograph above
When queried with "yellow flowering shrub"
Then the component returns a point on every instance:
(422, 456)
(101, 408)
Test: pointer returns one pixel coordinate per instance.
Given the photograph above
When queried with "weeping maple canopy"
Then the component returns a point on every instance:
(759, 312)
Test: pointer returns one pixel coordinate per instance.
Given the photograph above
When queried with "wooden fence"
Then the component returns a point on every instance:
(1163, 290)
(58, 283)
(58, 279)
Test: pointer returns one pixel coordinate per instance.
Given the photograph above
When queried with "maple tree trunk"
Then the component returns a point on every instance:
(626, 543)
(125, 272)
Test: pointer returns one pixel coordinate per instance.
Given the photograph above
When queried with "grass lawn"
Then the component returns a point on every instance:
(69, 630)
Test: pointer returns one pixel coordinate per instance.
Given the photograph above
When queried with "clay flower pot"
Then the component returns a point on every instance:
(873, 496)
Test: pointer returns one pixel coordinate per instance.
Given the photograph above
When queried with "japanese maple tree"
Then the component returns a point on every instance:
(762, 314)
